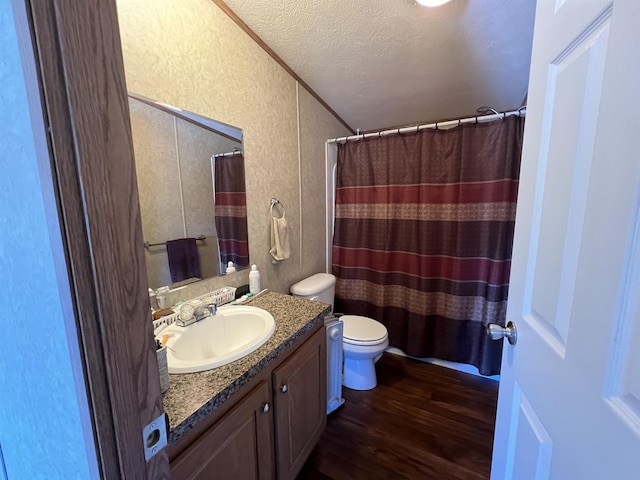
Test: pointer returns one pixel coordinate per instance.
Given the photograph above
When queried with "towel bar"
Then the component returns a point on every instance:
(147, 244)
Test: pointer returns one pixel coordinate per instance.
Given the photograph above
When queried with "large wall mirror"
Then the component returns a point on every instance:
(191, 182)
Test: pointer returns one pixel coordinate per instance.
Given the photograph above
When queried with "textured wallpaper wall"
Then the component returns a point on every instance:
(192, 55)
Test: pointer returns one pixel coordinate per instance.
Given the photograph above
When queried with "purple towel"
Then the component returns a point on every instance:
(184, 261)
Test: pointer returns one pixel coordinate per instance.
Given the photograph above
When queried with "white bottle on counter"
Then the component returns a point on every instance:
(254, 280)
(231, 268)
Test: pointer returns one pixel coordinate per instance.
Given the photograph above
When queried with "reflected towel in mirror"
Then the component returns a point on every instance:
(184, 261)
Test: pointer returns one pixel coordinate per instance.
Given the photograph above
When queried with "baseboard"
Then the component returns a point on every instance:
(460, 367)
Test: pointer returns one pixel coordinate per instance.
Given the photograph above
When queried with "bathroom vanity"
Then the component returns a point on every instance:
(260, 416)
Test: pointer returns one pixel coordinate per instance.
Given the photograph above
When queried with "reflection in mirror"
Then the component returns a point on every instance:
(231, 209)
(191, 183)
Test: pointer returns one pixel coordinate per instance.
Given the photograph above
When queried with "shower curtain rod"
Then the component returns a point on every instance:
(228, 154)
(522, 111)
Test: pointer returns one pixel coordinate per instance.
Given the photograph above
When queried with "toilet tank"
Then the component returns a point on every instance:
(320, 286)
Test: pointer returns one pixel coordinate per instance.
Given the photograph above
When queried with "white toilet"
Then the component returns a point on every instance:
(364, 339)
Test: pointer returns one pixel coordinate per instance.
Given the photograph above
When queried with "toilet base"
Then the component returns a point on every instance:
(359, 374)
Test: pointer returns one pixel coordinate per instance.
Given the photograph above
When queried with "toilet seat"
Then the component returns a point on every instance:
(359, 330)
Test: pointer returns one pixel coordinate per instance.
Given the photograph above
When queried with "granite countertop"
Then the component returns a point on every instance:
(193, 396)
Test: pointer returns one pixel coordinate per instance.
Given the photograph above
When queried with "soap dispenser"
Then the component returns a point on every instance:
(254, 280)
(230, 268)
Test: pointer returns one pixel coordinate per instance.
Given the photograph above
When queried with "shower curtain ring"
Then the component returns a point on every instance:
(436, 125)
(504, 115)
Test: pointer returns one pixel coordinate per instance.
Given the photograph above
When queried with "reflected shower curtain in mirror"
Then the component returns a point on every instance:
(423, 236)
(231, 211)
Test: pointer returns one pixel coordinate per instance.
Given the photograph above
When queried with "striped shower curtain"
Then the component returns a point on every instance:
(423, 235)
(231, 211)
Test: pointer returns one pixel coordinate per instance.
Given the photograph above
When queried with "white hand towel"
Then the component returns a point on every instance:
(280, 249)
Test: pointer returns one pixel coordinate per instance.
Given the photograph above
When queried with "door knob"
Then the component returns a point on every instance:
(265, 408)
(496, 332)
(284, 388)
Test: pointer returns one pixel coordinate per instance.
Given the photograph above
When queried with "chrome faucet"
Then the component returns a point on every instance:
(190, 314)
(205, 310)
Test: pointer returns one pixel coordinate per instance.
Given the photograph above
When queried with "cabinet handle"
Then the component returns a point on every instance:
(284, 388)
(265, 408)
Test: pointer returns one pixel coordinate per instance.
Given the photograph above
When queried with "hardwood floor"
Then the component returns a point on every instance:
(422, 421)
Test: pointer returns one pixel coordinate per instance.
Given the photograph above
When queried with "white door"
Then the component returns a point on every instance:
(569, 399)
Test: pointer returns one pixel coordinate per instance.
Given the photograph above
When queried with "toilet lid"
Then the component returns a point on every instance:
(362, 329)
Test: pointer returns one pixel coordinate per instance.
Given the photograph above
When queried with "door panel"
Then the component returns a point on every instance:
(622, 386)
(574, 85)
(533, 456)
(240, 445)
(300, 394)
(569, 395)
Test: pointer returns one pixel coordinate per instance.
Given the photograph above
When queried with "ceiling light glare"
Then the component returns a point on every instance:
(432, 3)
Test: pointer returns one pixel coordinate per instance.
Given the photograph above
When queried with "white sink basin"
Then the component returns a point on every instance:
(232, 333)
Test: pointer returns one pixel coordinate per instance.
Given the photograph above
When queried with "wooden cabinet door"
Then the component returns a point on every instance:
(239, 446)
(300, 397)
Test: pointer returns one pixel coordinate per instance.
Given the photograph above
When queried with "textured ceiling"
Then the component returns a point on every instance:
(387, 63)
